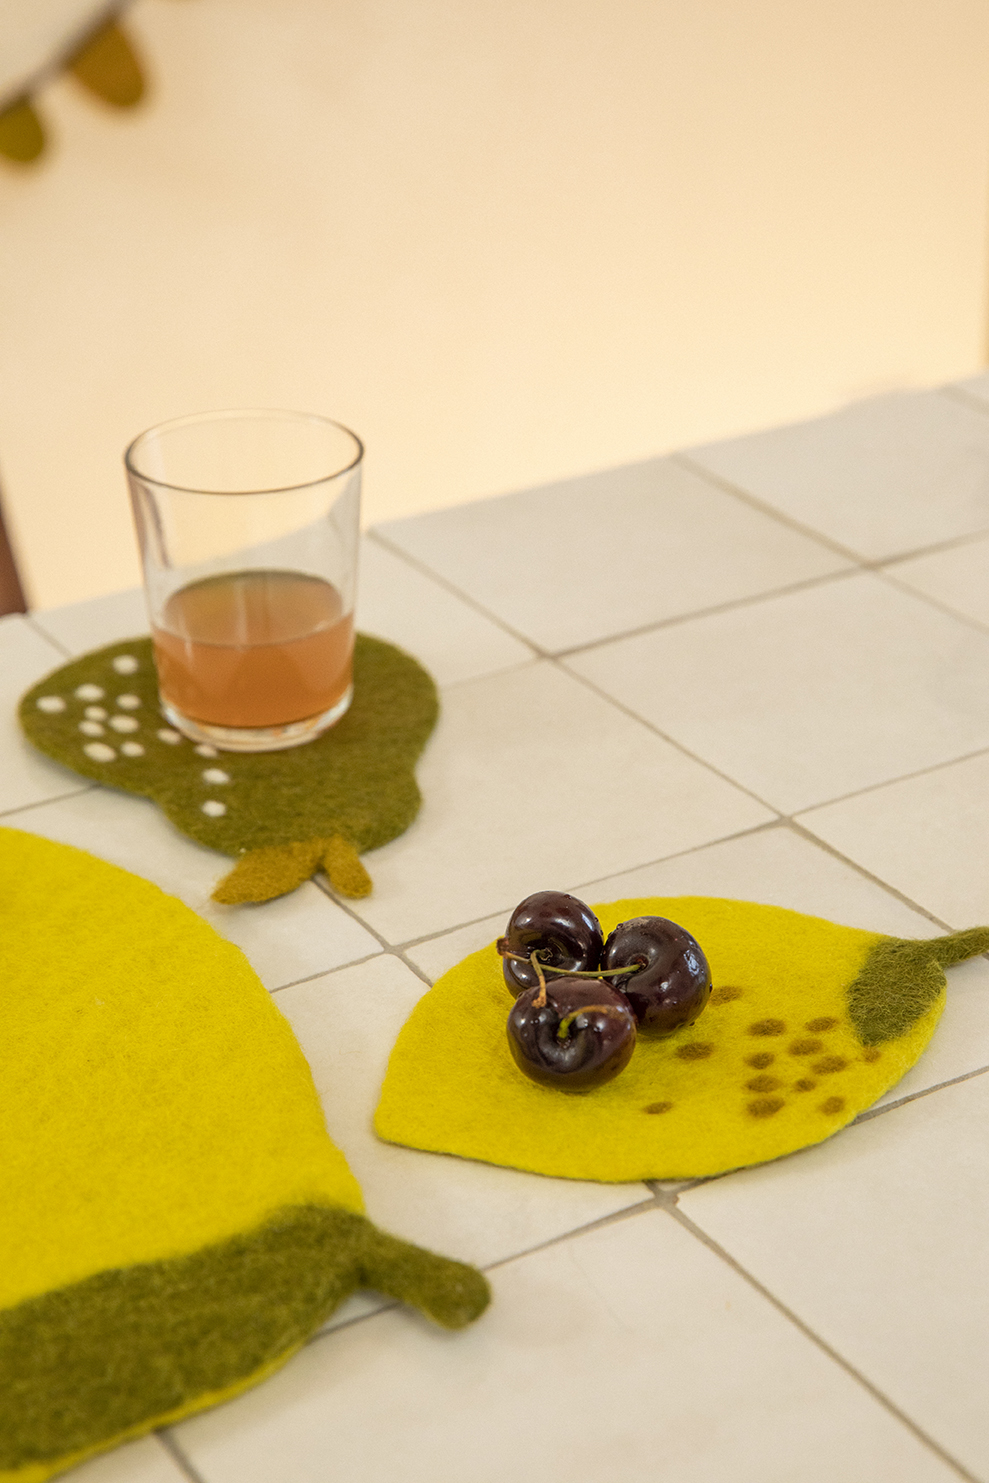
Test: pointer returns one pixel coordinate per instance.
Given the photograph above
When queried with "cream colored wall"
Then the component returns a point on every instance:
(505, 240)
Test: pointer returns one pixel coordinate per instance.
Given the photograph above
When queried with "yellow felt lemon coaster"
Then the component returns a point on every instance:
(176, 1220)
(808, 1024)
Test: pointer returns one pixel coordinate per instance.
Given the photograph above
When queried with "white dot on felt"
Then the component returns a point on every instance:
(171, 737)
(215, 775)
(90, 728)
(205, 750)
(94, 713)
(128, 702)
(124, 723)
(99, 751)
(89, 692)
(214, 808)
(51, 703)
(132, 749)
(125, 664)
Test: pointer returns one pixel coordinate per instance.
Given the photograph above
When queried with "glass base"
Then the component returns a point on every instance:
(258, 738)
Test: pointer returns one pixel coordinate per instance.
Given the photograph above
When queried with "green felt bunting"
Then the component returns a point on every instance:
(283, 815)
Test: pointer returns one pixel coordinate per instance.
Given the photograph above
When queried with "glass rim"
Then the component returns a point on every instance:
(230, 413)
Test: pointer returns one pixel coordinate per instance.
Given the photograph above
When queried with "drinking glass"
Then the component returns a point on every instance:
(248, 524)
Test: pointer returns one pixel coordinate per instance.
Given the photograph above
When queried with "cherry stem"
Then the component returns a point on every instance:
(540, 998)
(563, 1028)
(570, 972)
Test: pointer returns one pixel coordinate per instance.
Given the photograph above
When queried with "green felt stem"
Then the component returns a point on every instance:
(81, 1365)
(957, 946)
(452, 1294)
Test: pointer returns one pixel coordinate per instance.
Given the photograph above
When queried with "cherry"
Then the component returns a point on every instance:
(573, 1033)
(674, 982)
(559, 929)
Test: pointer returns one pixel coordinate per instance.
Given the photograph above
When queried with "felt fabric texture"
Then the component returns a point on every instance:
(808, 1024)
(283, 815)
(176, 1219)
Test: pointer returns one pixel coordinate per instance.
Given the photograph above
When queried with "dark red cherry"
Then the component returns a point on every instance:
(562, 930)
(581, 1034)
(674, 983)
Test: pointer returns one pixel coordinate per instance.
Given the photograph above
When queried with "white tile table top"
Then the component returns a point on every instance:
(877, 1241)
(811, 695)
(880, 478)
(628, 1354)
(146, 1461)
(580, 561)
(927, 835)
(651, 683)
(530, 777)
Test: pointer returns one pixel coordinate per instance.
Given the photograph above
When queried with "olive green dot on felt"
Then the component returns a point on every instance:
(452, 1087)
(281, 815)
(107, 66)
(22, 137)
(768, 1027)
(763, 1084)
(805, 1047)
(171, 1196)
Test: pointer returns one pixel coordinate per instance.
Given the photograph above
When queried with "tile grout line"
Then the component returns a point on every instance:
(876, 880)
(701, 1235)
(720, 482)
(650, 726)
(899, 585)
(875, 1111)
(641, 1207)
(48, 637)
(866, 563)
(750, 600)
(387, 947)
(904, 777)
(420, 566)
(175, 1452)
(24, 808)
(308, 978)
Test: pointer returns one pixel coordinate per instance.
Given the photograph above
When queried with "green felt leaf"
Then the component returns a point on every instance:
(315, 806)
(900, 980)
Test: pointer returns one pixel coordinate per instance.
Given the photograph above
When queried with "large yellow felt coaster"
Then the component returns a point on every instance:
(176, 1221)
(808, 1024)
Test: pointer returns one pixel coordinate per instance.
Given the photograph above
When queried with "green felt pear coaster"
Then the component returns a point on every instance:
(808, 1024)
(284, 815)
(176, 1220)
